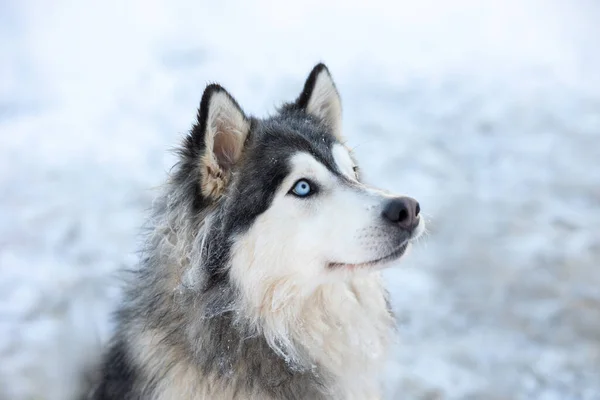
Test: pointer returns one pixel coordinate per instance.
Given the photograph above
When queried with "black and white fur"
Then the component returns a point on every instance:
(247, 291)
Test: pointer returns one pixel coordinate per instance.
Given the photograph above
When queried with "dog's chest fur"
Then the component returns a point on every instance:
(339, 338)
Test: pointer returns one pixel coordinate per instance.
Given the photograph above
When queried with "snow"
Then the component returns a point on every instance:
(487, 112)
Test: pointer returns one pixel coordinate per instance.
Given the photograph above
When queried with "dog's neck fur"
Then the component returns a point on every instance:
(341, 328)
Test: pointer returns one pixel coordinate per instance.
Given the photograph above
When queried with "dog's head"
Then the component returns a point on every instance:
(283, 194)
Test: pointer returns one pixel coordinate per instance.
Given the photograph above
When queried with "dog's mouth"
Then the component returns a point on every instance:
(394, 255)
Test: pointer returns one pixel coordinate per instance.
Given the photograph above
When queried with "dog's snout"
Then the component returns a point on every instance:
(403, 211)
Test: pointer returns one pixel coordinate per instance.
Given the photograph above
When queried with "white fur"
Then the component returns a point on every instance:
(310, 313)
(325, 103)
(343, 160)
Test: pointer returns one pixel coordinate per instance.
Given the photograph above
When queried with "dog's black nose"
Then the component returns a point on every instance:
(403, 211)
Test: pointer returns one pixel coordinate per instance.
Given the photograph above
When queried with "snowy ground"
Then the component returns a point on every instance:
(488, 114)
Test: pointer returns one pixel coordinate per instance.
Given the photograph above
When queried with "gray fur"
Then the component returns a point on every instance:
(182, 293)
(218, 309)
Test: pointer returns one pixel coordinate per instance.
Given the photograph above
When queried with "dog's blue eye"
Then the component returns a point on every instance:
(302, 188)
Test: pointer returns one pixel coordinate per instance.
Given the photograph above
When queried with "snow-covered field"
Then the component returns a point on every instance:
(487, 112)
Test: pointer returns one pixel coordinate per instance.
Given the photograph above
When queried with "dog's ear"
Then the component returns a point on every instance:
(321, 99)
(218, 139)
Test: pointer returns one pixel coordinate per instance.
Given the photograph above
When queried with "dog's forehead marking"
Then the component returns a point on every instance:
(306, 163)
(343, 160)
(341, 157)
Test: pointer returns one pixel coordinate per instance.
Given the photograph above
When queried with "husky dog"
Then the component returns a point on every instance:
(260, 276)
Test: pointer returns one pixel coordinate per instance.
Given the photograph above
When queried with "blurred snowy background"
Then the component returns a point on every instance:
(487, 112)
